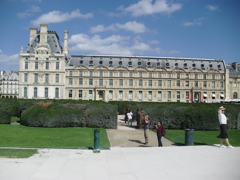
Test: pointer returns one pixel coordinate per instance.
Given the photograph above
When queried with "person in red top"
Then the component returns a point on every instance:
(160, 132)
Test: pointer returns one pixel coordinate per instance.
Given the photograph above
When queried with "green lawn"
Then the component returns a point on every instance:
(203, 137)
(17, 153)
(14, 119)
(36, 137)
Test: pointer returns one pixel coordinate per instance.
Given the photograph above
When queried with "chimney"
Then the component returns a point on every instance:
(33, 32)
(65, 48)
(235, 66)
(43, 33)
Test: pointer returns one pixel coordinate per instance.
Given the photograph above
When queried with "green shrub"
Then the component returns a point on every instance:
(5, 112)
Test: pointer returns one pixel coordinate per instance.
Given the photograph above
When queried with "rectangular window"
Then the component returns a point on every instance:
(140, 95)
(110, 82)
(159, 75)
(221, 84)
(100, 82)
(35, 78)
(196, 84)
(140, 83)
(120, 82)
(36, 65)
(120, 94)
(56, 93)
(130, 96)
(196, 76)
(120, 74)
(178, 83)
(26, 65)
(169, 75)
(47, 65)
(90, 95)
(221, 77)
(234, 82)
(25, 77)
(80, 82)
(187, 76)
(178, 94)
(140, 74)
(130, 74)
(178, 75)
(80, 93)
(100, 74)
(57, 65)
(35, 92)
(110, 74)
(149, 83)
(159, 83)
(213, 84)
(46, 93)
(149, 94)
(70, 93)
(80, 73)
(110, 95)
(213, 76)
(169, 83)
(90, 82)
(70, 73)
(204, 76)
(204, 84)
(46, 78)
(25, 92)
(187, 95)
(169, 94)
(57, 78)
(130, 82)
(90, 73)
(159, 94)
(150, 75)
(70, 81)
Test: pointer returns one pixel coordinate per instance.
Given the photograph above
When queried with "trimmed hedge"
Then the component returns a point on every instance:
(183, 116)
(5, 112)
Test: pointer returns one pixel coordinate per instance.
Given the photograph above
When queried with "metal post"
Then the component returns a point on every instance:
(96, 148)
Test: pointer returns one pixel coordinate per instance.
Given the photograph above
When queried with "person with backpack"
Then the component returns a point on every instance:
(160, 132)
(146, 126)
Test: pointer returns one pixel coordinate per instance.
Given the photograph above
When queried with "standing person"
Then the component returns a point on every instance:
(146, 125)
(223, 128)
(129, 117)
(126, 117)
(160, 132)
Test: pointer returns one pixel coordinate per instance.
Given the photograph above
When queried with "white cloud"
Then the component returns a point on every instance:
(132, 26)
(195, 22)
(154, 42)
(9, 60)
(212, 7)
(32, 9)
(58, 16)
(175, 52)
(115, 44)
(146, 7)
(101, 28)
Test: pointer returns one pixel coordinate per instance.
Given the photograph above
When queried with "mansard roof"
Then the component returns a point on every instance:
(52, 40)
(233, 71)
(146, 62)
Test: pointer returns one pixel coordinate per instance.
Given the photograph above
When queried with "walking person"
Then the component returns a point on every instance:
(146, 126)
(160, 133)
(223, 128)
(130, 114)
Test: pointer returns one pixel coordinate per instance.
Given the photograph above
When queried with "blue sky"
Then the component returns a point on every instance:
(207, 29)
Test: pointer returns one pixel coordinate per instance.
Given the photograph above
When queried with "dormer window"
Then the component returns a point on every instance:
(91, 62)
(139, 63)
(194, 65)
(185, 64)
(100, 62)
(158, 64)
(36, 58)
(149, 63)
(81, 61)
(120, 62)
(176, 64)
(167, 64)
(210, 65)
(202, 65)
(110, 62)
(129, 63)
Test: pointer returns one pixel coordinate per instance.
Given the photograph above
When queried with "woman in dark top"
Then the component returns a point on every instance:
(160, 132)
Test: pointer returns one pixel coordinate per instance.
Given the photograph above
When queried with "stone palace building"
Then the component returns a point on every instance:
(47, 72)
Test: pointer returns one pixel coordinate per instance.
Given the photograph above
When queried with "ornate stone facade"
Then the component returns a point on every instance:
(46, 71)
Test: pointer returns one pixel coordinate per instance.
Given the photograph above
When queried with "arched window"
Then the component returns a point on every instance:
(235, 95)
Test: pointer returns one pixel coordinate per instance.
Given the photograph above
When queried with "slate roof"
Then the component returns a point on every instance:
(145, 62)
(52, 40)
(232, 71)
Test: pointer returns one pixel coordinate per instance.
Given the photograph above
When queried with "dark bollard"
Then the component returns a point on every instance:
(189, 138)
(96, 148)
